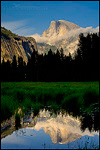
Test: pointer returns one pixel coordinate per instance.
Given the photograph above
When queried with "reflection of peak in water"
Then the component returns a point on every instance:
(61, 128)
(61, 135)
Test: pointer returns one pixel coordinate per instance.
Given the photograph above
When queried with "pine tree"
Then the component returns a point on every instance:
(14, 69)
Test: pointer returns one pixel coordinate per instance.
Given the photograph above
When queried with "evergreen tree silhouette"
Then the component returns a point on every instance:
(14, 69)
(57, 66)
(32, 67)
(5, 71)
(21, 69)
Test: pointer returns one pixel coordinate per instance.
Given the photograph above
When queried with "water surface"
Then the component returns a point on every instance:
(51, 131)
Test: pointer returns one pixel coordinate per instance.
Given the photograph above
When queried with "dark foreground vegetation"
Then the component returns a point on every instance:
(76, 98)
(56, 66)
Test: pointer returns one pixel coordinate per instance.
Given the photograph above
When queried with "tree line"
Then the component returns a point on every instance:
(57, 66)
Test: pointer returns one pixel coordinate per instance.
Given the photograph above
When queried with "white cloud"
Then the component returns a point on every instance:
(22, 28)
(39, 38)
(29, 7)
(19, 27)
(13, 25)
(55, 37)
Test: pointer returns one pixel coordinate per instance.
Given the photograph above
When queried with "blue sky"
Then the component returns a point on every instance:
(30, 17)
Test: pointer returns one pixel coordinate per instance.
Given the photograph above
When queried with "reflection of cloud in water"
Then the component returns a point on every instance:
(62, 129)
(51, 131)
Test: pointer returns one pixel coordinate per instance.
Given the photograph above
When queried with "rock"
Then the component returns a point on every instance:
(12, 44)
(59, 28)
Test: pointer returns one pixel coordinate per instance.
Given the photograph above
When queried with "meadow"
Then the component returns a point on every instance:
(72, 97)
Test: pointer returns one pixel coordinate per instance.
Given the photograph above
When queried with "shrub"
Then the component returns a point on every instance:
(59, 97)
(7, 107)
(90, 96)
(32, 96)
(72, 103)
(20, 95)
(55, 107)
(36, 107)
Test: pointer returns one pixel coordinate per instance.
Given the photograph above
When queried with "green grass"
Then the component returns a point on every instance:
(70, 96)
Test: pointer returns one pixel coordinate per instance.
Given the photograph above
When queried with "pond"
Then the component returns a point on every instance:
(48, 130)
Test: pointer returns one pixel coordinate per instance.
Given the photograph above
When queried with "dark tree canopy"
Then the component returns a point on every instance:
(57, 66)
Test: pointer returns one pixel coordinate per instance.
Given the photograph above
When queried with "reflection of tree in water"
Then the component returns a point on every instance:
(90, 121)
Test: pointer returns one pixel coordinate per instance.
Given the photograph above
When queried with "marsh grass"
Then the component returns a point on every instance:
(70, 96)
(8, 106)
(36, 107)
(72, 103)
(90, 96)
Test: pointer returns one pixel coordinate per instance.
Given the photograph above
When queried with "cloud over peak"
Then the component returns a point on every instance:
(55, 37)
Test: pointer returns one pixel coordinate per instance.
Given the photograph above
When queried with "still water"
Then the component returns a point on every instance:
(51, 131)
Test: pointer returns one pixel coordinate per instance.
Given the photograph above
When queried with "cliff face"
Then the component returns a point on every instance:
(12, 44)
(60, 34)
(43, 48)
(59, 28)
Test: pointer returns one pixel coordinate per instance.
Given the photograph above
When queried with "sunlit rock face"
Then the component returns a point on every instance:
(61, 34)
(12, 44)
(59, 28)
